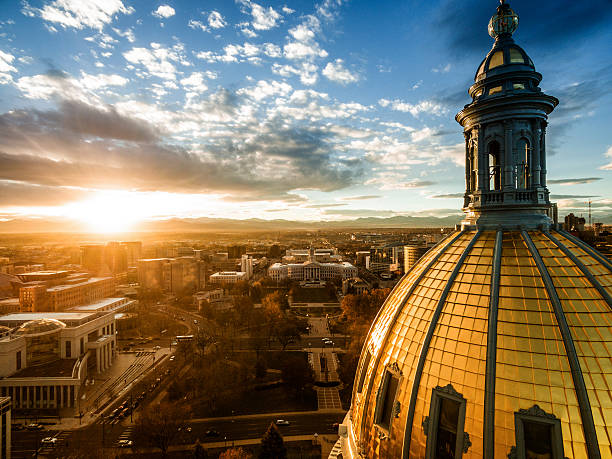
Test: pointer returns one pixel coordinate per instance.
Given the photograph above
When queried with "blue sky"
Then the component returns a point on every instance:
(127, 110)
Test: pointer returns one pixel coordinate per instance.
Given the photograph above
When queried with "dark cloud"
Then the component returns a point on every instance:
(25, 194)
(78, 145)
(573, 181)
(447, 196)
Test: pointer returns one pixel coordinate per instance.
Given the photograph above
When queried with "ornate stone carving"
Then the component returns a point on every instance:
(466, 442)
(535, 410)
(449, 389)
(425, 425)
(397, 406)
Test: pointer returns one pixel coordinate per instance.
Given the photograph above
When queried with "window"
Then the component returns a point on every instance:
(521, 164)
(518, 86)
(444, 425)
(494, 166)
(364, 370)
(516, 57)
(18, 362)
(68, 349)
(538, 434)
(384, 405)
(496, 60)
(495, 90)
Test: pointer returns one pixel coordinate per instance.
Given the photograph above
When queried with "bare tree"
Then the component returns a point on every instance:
(158, 425)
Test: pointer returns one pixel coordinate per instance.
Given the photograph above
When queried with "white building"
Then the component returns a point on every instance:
(312, 270)
(246, 265)
(5, 428)
(228, 277)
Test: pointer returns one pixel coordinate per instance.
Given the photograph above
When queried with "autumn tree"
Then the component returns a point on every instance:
(235, 453)
(158, 425)
(272, 444)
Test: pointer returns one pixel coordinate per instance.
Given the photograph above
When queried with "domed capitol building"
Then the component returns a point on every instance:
(498, 343)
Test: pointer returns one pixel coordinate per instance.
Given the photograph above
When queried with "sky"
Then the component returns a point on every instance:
(115, 111)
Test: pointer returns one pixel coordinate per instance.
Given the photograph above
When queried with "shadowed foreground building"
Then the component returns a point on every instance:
(498, 342)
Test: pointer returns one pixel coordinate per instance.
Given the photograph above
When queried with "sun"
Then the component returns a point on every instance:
(107, 212)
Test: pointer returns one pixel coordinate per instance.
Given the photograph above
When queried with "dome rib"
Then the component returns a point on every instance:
(586, 415)
(602, 291)
(427, 340)
(400, 307)
(489, 415)
(588, 249)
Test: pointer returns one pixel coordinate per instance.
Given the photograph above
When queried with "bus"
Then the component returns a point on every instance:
(181, 338)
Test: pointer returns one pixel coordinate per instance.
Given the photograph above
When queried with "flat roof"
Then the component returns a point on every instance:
(55, 369)
(100, 304)
(26, 316)
(44, 272)
(88, 281)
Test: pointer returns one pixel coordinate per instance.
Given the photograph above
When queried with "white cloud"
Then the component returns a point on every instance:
(195, 82)
(197, 25)
(45, 86)
(299, 50)
(307, 71)
(287, 10)
(5, 67)
(608, 153)
(302, 44)
(216, 21)
(157, 59)
(264, 89)
(244, 28)
(128, 33)
(93, 82)
(335, 71)
(442, 68)
(263, 18)
(240, 53)
(425, 106)
(164, 11)
(79, 13)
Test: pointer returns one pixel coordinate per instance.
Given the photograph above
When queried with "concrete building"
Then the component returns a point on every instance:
(384, 256)
(5, 428)
(37, 298)
(312, 270)
(246, 265)
(412, 254)
(172, 275)
(133, 252)
(228, 277)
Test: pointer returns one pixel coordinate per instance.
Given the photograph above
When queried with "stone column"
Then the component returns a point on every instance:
(468, 166)
(534, 158)
(543, 156)
(481, 160)
(508, 181)
(60, 396)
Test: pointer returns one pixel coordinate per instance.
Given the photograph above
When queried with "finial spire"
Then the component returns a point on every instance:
(504, 22)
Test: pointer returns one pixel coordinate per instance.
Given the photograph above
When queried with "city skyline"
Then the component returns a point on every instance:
(116, 112)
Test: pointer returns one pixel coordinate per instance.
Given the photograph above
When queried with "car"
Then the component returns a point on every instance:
(172, 358)
(114, 413)
(174, 343)
(195, 321)
(282, 422)
(211, 433)
(34, 426)
(156, 348)
(49, 441)
(124, 443)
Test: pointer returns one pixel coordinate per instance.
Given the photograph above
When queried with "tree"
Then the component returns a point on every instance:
(199, 452)
(272, 444)
(158, 425)
(286, 332)
(296, 372)
(235, 453)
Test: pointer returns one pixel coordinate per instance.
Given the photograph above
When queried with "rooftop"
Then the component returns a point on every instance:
(65, 287)
(57, 369)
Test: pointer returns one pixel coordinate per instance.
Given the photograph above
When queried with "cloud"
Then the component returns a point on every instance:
(195, 82)
(19, 194)
(164, 12)
(608, 153)
(302, 43)
(572, 196)
(324, 206)
(361, 198)
(193, 24)
(360, 212)
(79, 14)
(572, 181)
(441, 69)
(157, 60)
(429, 107)
(6, 68)
(448, 196)
(307, 72)
(335, 71)
(264, 89)
(216, 21)
(262, 18)
(239, 53)
(127, 33)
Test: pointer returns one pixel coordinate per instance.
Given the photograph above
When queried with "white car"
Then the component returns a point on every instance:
(282, 422)
(49, 441)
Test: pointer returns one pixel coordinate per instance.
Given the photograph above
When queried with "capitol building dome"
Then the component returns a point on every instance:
(498, 342)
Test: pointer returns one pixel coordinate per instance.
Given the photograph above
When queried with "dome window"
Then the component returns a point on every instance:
(496, 60)
(518, 86)
(386, 400)
(444, 425)
(364, 370)
(495, 90)
(516, 57)
(538, 434)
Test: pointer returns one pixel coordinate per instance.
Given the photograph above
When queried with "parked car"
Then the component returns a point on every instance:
(282, 422)
(212, 433)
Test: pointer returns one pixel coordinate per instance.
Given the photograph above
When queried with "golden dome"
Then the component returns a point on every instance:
(508, 334)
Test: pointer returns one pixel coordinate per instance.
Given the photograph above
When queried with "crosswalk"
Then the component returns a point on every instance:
(126, 434)
(328, 398)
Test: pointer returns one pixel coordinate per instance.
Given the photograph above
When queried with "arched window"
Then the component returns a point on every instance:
(521, 164)
(494, 166)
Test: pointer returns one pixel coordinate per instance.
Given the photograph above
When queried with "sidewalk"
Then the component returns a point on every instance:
(278, 415)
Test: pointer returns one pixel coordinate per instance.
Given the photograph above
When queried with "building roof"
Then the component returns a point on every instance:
(40, 326)
(99, 305)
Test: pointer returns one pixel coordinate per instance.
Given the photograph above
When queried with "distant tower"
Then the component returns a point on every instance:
(505, 129)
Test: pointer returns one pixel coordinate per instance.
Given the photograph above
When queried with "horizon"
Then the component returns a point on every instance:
(119, 114)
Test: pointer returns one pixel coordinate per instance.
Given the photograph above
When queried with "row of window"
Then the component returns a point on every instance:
(498, 89)
(538, 434)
